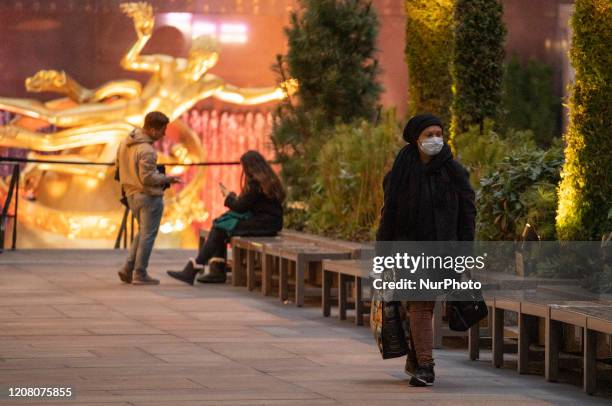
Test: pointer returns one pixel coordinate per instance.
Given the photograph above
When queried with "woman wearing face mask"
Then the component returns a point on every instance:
(427, 197)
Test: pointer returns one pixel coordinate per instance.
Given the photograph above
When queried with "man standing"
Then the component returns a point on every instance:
(143, 186)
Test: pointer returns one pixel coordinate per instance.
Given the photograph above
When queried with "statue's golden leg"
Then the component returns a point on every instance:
(72, 117)
(62, 83)
(21, 106)
(93, 171)
(19, 137)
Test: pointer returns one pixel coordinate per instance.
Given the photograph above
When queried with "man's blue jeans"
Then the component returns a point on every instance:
(147, 210)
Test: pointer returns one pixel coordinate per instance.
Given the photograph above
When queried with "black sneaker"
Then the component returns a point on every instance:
(424, 376)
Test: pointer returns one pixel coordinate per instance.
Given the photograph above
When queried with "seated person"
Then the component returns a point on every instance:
(257, 211)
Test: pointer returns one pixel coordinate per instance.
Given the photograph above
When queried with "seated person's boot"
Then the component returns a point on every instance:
(216, 272)
(188, 273)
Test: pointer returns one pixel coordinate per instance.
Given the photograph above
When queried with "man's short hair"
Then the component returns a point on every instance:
(156, 120)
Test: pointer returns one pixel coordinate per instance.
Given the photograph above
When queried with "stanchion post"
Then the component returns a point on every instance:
(131, 227)
(124, 230)
(18, 174)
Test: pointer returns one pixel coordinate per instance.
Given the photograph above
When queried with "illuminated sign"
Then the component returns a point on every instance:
(193, 26)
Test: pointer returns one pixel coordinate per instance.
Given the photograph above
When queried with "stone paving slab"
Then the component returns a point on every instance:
(66, 320)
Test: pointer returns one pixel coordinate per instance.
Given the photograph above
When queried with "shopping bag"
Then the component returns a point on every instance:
(388, 328)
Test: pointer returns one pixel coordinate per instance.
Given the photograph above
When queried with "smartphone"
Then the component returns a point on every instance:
(223, 189)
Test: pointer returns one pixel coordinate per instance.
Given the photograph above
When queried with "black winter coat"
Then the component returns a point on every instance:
(267, 214)
(454, 211)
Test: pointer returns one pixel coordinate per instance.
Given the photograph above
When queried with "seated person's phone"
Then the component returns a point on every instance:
(224, 190)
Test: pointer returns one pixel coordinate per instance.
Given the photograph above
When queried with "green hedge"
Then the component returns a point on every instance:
(521, 190)
(477, 67)
(480, 151)
(585, 193)
(347, 195)
(429, 41)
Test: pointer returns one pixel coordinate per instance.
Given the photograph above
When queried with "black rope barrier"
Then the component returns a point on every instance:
(52, 161)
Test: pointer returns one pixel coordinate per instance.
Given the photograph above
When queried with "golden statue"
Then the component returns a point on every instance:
(92, 122)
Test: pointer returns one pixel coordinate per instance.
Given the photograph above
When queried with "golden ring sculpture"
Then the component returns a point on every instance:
(91, 123)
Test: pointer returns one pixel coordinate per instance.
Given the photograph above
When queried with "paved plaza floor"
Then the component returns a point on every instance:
(67, 321)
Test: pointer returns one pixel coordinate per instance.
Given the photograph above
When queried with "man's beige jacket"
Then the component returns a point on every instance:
(137, 165)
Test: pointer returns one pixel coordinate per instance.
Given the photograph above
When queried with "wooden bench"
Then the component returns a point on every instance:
(355, 271)
(245, 248)
(512, 283)
(591, 315)
(357, 250)
(285, 254)
(592, 319)
(347, 271)
(300, 258)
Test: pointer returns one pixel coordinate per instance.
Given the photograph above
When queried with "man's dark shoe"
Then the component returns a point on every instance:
(216, 273)
(187, 275)
(424, 376)
(144, 279)
(125, 275)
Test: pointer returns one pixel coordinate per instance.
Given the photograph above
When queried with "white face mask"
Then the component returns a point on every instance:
(432, 146)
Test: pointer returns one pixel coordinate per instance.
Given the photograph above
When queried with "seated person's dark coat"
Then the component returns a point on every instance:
(266, 213)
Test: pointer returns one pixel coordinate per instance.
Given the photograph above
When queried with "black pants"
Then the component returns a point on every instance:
(214, 246)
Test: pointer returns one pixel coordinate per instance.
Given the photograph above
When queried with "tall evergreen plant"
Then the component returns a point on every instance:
(331, 53)
(478, 63)
(585, 192)
(529, 102)
(429, 42)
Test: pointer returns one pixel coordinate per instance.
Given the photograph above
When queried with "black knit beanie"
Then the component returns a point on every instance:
(417, 124)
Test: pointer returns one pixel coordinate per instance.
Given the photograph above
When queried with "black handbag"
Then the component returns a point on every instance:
(463, 314)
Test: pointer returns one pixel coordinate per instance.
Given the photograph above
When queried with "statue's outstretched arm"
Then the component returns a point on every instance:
(252, 96)
(142, 14)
